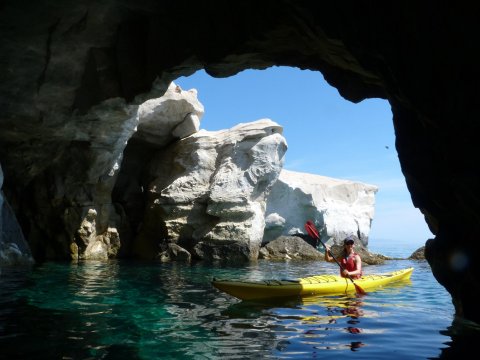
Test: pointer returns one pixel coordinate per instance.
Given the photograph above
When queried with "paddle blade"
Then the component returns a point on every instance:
(359, 290)
(311, 230)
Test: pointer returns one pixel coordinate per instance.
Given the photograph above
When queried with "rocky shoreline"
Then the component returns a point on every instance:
(296, 248)
(160, 188)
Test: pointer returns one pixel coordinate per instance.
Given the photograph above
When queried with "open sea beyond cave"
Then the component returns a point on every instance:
(133, 310)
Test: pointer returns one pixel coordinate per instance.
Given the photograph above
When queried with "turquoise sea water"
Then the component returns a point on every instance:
(132, 310)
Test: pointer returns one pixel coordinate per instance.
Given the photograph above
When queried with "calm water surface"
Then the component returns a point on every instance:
(126, 310)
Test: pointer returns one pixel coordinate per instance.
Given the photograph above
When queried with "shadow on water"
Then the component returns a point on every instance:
(464, 337)
(55, 334)
(41, 319)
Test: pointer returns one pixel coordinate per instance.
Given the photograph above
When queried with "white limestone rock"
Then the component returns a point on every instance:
(100, 138)
(175, 115)
(342, 207)
(210, 187)
(90, 246)
(189, 125)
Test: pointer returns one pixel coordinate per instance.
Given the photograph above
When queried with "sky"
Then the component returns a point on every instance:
(326, 135)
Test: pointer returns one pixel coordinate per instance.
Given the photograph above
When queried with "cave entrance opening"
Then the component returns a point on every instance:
(326, 135)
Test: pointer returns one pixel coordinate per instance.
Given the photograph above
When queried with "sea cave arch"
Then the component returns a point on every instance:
(326, 135)
(61, 61)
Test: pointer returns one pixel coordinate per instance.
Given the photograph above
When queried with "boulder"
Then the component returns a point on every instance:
(289, 248)
(174, 253)
(418, 254)
(368, 258)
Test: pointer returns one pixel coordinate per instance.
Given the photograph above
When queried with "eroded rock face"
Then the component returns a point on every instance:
(340, 207)
(74, 188)
(210, 189)
(60, 59)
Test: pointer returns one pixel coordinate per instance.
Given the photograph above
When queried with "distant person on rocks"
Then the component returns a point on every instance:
(350, 261)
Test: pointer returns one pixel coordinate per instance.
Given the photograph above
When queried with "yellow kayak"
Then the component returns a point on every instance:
(309, 286)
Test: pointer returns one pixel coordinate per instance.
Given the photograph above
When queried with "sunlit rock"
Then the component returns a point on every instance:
(338, 207)
(210, 189)
(176, 114)
(81, 177)
(88, 245)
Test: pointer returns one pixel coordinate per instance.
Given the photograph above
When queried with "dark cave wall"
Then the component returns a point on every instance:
(60, 59)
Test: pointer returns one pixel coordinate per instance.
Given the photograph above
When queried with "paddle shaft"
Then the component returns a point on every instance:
(313, 231)
(334, 258)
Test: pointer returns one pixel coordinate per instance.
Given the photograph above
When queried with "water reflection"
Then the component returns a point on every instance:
(310, 324)
(346, 312)
(149, 310)
(464, 339)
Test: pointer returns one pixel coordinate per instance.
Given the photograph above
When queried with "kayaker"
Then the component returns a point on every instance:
(351, 261)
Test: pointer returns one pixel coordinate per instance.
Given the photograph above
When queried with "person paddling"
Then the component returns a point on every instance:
(351, 261)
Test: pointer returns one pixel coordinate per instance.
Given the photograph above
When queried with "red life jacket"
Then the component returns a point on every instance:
(350, 265)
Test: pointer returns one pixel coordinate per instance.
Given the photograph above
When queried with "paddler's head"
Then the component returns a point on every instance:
(348, 241)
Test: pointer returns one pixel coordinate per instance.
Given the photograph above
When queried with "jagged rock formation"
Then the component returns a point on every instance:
(71, 212)
(208, 192)
(161, 121)
(338, 207)
(63, 62)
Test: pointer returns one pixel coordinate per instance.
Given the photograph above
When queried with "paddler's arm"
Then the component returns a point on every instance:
(328, 256)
